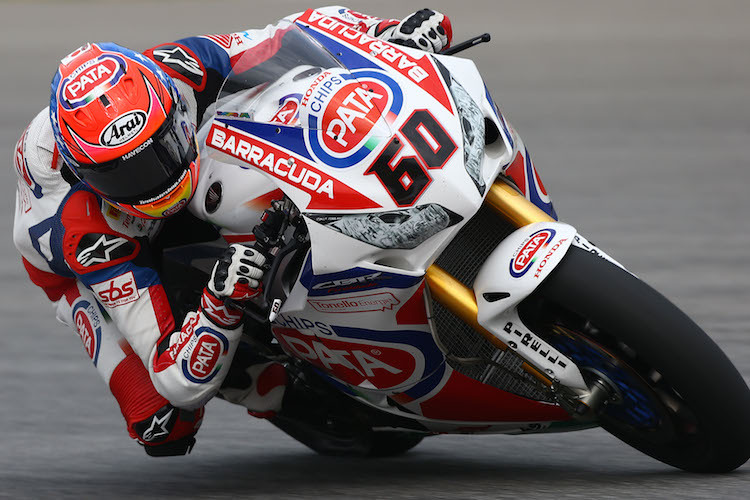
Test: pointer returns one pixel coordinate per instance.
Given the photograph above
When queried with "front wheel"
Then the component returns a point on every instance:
(675, 394)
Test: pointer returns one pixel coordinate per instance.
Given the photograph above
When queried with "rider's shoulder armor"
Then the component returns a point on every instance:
(89, 243)
(198, 65)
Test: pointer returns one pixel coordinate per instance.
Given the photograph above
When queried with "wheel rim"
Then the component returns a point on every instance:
(650, 411)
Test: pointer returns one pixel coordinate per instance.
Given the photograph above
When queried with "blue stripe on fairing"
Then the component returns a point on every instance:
(500, 117)
(534, 189)
(290, 138)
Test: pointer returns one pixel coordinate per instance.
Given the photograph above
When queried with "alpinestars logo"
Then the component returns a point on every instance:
(158, 427)
(218, 313)
(103, 250)
(178, 59)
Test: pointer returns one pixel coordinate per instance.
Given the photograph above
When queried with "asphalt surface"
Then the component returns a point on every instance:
(637, 115)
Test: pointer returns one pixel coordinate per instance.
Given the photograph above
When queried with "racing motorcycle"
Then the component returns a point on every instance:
(421, 283)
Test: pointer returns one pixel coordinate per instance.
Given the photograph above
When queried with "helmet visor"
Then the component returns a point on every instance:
(150, 170)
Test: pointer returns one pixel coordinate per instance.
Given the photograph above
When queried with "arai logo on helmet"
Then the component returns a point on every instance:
(91, 79)
(123, 129)
(525, 256)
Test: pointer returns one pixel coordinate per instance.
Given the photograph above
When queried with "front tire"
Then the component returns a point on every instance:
(682, 401)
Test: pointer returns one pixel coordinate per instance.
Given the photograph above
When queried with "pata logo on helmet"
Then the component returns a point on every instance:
(91, 79)
(123, 129)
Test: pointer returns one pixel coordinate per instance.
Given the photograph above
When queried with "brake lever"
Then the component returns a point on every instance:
(471, 42)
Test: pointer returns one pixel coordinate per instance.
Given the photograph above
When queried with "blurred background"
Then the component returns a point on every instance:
(637, 115)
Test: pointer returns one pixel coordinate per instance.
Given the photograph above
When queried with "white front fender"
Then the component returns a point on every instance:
(510, 274)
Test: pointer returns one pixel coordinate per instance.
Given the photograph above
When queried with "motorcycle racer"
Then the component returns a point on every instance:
(101, 173)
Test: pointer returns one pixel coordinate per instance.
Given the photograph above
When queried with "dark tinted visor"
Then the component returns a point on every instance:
(143, 174)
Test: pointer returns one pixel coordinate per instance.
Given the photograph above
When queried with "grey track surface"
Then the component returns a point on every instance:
(637, 113)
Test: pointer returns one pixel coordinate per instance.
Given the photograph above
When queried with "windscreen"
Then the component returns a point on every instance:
(273, 81)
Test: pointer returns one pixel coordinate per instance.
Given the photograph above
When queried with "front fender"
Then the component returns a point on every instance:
(510, 274)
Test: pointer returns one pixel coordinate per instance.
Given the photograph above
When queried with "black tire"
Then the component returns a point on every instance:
(393, 443)
(700, 401)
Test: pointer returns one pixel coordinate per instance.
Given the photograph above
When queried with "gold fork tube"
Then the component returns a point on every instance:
(460, 299)
(513, 206)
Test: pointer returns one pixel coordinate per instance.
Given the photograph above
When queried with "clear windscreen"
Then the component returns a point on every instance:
(272, 82)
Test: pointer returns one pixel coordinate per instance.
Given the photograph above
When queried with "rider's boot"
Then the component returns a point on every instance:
(254, 382)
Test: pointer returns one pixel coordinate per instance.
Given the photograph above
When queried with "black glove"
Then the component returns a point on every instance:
(236, 275)
(426, 30)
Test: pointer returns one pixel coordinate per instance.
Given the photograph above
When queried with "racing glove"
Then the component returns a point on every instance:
(426, 30)
(236, 276)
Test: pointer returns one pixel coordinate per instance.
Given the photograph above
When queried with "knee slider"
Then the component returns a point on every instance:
(169, 431)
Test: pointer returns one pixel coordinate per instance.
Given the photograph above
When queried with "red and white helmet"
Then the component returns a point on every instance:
(123, 128)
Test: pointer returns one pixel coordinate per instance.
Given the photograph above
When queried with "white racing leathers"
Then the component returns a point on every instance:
(94, 261)
(118, 299)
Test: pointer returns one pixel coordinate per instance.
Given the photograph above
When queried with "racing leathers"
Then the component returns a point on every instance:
(101, 268)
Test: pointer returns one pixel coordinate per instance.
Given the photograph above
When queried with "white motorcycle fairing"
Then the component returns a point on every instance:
(404, 300)
(358, 309)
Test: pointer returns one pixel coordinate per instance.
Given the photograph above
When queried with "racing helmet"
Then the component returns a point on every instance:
(123, 128)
